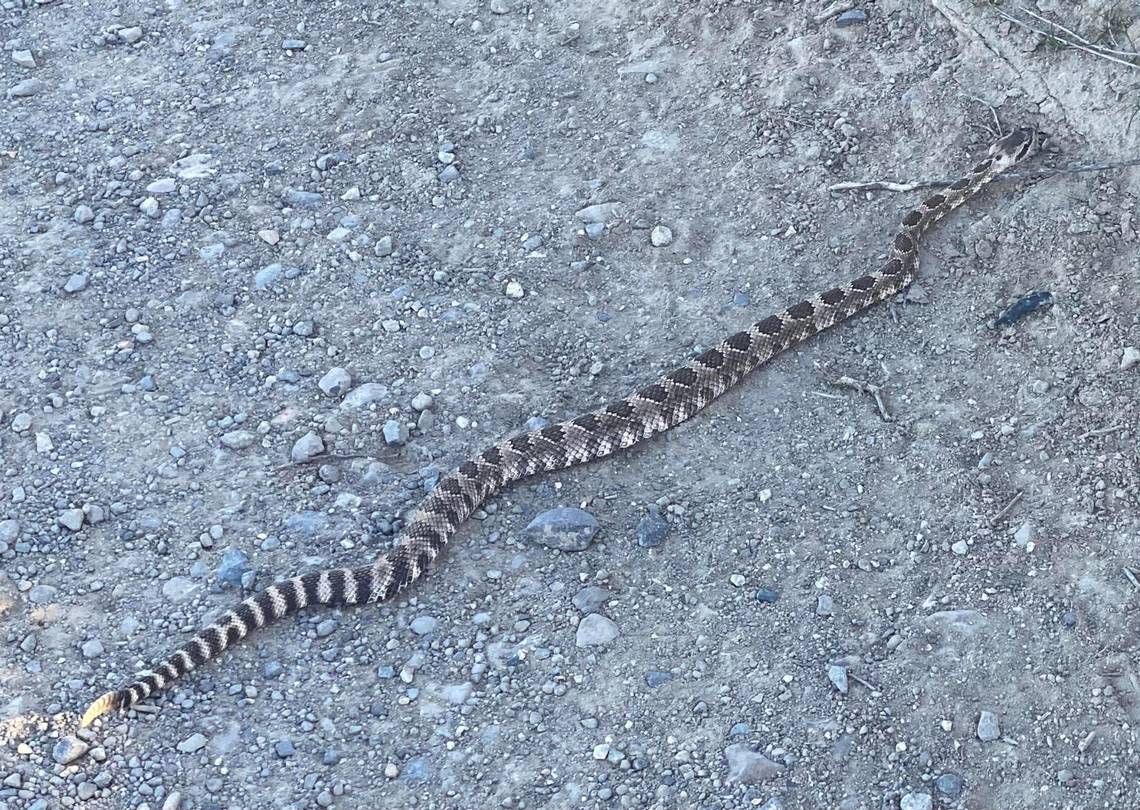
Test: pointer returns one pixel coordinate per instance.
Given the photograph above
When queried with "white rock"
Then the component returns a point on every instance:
(514, 290)
(1130, 358)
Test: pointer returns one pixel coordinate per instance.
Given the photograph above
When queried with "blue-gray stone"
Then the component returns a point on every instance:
(766, 595)
(284, 748)
(303, 199)
(386, 672)
(416, 770)
(566, 528)
(266, 276)
(306, 522)
(853, 16)
(331, 757)
(949, 784)
(395, 433)
(272, 669)
(537, 423)
(424, 625)
(235, 563)
(594, 230)
(651, 530)
(591, 598)
(655, 678)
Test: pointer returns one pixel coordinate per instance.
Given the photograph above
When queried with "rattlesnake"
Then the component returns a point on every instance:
(658, 407)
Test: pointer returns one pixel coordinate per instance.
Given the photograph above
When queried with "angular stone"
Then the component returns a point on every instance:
(749, 767)
(595, 630)
(566, 528)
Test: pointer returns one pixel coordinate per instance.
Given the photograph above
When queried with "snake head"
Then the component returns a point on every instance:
(1017, 145)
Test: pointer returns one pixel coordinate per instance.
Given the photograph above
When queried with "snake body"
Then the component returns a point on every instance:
(659, 406)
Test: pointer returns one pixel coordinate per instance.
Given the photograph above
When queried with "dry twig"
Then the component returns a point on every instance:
(996, 519)
(866, 388)
(1095, 50)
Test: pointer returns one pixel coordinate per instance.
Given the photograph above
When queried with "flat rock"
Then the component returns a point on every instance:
(565, 528)
(238, 439)
(364, 395)
(749, 767)
(195, 742)
(591, 598)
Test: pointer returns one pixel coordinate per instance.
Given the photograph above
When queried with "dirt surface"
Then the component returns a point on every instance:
(794, 603)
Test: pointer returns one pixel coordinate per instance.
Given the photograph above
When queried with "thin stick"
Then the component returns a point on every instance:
(996, 519)
(1075, 35)
(1069, 42)
(891, 185)
(866, 388)
(1131, 577)
(1102, 431)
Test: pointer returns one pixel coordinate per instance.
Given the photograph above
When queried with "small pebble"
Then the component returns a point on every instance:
(824, 606)
(26, 88)
(916, 801)
(514, 290)
(960, 547)
(838, 677)
(988, 727)
(396, 433)
(660, 236)
(1129, 358)
(326, 628)
(76, 282)
(591, 598)
(766, 595)
(651, 530)
(284, 748)
(595, 630)
(424, 625)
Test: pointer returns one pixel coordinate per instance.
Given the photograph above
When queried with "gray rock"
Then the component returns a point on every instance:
(238, 439)
(364, 395)
(284, 748)
(71, 519)
(163, 185)
(69, 749)
(395, 433)
(293, 44)
(264, 278)
(851, 17)
(458, 693)
(988, 727)
(307, 448)
(195, 742)
(595, 630)
(335, 381)
(599, 212)
(42, 594)
(660, 236)
(651, 530)
(76, 282)
(92, 648)
(326, 628)
(949, 784)
(383, 246)
(565, 528)
(838, 677)
(83, 214)
(749, 767)
(303, 199)
(24, 59)
(9, 531)
(421, 402)
(1024, 535)
(424, 625)
(234, 565)
(26, 88)
(131, 34)
(824, 606)
(449, 174)
(591, 598)
(655, 678)
(916, 801)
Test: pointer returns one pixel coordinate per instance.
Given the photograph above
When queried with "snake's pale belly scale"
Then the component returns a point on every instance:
(659, 406)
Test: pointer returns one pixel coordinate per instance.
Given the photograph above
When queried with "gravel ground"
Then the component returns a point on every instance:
(268, 268)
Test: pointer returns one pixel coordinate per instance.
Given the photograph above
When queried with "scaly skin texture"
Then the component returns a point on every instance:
(664, 404)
